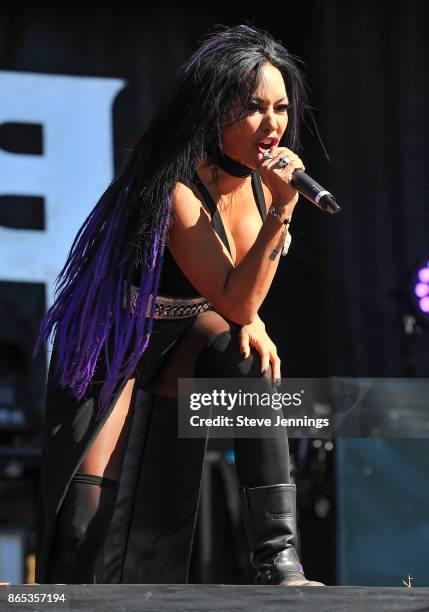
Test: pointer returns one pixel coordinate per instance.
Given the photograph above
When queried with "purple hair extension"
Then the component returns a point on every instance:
(135, 324)
(91, 309)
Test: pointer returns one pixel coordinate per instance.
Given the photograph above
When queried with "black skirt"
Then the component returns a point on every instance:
(150, 537)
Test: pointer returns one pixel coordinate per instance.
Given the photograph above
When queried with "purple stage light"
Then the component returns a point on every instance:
(423, 275)
(424, 305)
(418, 289)
(421, 289)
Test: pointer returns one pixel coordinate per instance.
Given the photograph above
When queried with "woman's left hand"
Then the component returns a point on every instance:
(255, 336)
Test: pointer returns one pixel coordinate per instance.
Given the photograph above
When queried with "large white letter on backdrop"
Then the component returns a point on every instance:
(75, 114)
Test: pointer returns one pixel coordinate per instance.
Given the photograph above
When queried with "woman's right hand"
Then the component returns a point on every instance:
(278, 179)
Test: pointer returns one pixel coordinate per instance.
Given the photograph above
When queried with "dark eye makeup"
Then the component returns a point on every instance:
(253, 106)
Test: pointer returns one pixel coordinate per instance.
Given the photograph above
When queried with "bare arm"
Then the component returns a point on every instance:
(237, 292)
(248, 284)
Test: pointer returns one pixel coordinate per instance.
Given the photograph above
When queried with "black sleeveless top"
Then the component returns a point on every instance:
(172, 281)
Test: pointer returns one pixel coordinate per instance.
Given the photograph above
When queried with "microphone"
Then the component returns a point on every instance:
(308, 187)
(314, 192)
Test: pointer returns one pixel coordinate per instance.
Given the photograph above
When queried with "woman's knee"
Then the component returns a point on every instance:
(180, 362)
(221, 357)
(210, 348)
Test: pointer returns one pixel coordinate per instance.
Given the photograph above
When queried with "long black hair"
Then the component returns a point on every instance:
(127, 229)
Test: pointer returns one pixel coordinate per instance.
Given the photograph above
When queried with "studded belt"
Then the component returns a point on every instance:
(171, 307)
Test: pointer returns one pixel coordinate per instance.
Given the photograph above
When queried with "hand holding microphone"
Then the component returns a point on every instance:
(283, 172)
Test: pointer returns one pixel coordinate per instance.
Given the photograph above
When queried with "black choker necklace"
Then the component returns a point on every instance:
(230, 165)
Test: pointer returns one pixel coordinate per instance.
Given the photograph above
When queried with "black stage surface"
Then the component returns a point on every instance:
(225, 598)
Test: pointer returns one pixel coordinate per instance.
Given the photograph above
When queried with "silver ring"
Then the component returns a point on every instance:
(266, 154)
(283, 161)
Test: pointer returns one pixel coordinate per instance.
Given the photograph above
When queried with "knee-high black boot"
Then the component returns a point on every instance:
(270, 517)
(262, 463)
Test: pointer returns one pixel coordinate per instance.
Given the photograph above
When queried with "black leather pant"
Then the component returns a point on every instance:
(259, 461)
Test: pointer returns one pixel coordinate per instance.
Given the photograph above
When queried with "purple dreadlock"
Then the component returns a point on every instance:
(90, 299)
(127, 230)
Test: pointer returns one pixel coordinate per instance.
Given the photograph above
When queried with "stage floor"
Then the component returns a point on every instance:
(213, 598)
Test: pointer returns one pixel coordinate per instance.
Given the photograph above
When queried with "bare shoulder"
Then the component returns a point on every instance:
(182, 189)
(187, 201)
(191, 226)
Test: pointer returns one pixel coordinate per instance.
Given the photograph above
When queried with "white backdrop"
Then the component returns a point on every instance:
(76, 166)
